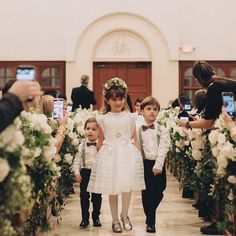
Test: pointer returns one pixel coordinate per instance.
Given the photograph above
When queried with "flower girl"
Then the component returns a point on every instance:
(119, 166)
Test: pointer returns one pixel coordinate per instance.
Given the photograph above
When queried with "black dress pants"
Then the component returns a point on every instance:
(85, 197)
(153, 194)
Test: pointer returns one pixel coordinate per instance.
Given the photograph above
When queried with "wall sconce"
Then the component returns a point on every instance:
(187, 48)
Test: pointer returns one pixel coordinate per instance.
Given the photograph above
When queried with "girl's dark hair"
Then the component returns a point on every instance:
(116, 92)
(90, 120)
(175, 103)
(204, 73)
(183, 98)
(150, 101)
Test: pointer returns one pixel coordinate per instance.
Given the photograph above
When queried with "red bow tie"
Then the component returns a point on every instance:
(91, 144)
(145, 127)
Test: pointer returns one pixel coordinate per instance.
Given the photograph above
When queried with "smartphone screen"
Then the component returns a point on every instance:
(184, 118)
(58, 108)
(187, 106)
(69, 108)
(228, 102)
(25, 73)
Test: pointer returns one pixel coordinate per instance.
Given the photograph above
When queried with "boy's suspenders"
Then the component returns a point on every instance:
(83, 154)
(141, 141)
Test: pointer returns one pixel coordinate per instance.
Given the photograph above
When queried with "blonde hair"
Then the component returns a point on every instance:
(46, 105)
(33, 105)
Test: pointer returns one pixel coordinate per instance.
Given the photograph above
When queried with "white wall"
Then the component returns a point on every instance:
(56, 30)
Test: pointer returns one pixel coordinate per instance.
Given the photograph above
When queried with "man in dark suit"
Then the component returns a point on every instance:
(82, 96)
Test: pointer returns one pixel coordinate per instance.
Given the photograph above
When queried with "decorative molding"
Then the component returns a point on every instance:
(121, 44)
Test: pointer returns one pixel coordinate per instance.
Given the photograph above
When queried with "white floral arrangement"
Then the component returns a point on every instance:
(114, 83)
(197, 141)
(77, 123)
(15, 184)
(168, 118)
(223, 149)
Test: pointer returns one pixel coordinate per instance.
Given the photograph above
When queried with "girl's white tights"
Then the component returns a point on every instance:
(113, 201)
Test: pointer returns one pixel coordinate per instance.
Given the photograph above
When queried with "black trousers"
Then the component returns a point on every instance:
(153, 194)
(85, 197)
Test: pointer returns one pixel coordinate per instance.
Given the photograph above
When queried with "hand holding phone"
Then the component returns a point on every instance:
(228, 102)
(58, 108)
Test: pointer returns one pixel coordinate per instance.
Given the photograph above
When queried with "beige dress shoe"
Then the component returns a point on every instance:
(126, 223)
(116, 227)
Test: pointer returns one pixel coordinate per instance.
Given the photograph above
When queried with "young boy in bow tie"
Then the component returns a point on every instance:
(83, 163)
(154, 142)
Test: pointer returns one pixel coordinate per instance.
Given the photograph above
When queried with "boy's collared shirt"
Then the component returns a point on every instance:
(90, 157)
(151, 138)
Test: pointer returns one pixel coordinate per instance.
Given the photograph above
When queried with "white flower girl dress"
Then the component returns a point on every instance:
(119, 164)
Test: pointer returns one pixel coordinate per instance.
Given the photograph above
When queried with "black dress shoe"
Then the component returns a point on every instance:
(151, 229)
(84, 224)
(97, 223)
(211, 230)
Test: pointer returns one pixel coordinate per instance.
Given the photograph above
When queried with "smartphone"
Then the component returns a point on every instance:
(184, 118)
(58, 108)
(228, 102)
(25, 73)
(187, 106)
(69, 108)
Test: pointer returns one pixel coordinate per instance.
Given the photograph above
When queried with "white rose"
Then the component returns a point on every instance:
(215, 151)
(36, 152)
(222, 161)
(7, 135)
(75, 142)
(186, 143)
(194, 133)
(196, 154)
(232, 179)
(227, 150)
(213, 137)
(197, 144)
(68, 158)
(56, 169)
(221, 138)
(71, 135)
(221, 171)
(4, 169)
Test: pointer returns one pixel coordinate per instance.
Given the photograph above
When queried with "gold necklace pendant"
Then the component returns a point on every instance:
(118, 134)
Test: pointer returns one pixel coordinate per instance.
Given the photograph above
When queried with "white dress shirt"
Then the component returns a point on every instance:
(90, 157)
(156, 144)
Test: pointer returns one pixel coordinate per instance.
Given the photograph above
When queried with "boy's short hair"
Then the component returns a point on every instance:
(150, 101)
(138, 100)
(90, 120)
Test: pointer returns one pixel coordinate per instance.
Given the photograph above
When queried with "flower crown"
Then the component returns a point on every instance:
(114, 83)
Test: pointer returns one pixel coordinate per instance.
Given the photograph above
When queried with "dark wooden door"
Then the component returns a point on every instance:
(137, 76)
